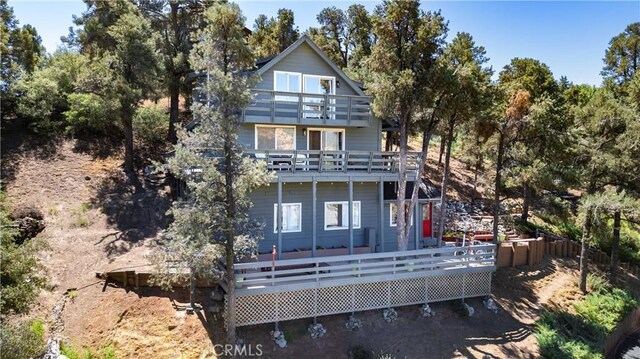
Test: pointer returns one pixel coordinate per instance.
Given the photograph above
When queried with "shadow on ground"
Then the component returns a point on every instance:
(18, 143)
(134, 209)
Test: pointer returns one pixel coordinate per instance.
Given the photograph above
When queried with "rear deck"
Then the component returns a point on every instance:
(273, 291)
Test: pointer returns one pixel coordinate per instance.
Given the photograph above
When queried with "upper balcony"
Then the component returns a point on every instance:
(291, 108)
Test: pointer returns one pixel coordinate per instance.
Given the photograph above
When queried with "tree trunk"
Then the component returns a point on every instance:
(615, 246)
(192, 290)
(443, 141)
(401, 222)
(127, 122)
(584, 252)
(496, 198)
(388, 143)
(174, 81)
(426, 137)
(445, 179)
(526, 195)
(174, 95)
(229, 174)
(231, 299)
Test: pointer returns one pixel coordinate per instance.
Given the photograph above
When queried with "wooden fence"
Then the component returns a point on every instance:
(519, 252)
(627, 326)
(557, 246)
(142, 279)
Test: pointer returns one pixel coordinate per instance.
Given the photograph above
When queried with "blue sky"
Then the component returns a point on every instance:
(569, 36)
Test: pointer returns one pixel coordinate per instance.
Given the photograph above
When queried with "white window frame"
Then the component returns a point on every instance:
(391, 224)
(344, 203)
(275, 217)
(255, 136)
(322, 129)
(275, 86)
(320, 77)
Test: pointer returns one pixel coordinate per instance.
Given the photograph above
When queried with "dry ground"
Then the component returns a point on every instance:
(68, 181)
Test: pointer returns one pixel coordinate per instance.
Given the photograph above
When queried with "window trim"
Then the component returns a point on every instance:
(255, 136)
(346, 203)
(275, 217)
(283, 97)
(332, 129)
(391, 224)
(321, 77)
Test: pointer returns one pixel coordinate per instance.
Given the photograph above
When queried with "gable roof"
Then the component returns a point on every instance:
(305, 39)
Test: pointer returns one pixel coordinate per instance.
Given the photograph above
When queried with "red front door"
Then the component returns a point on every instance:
(426, 219)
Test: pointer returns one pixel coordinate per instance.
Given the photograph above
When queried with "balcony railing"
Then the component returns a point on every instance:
(364, 267)
(309, 109)
(334, 161)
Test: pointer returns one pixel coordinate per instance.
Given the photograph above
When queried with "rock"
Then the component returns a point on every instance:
(353, 323)
(316, 331)
(390, 315)
(490, 304)
(53, 351)
(281, 342)
(278, 338)
(469, 309)
(426, 311)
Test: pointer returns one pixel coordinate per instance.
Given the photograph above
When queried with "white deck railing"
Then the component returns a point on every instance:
(363, 267)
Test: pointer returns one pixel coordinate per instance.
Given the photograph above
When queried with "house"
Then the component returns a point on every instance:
(330, 235)
(336, 189)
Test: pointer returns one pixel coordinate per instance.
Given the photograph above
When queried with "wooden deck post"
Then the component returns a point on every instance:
(350, 214)
(314, 189)
(279, 218)
(381, 212)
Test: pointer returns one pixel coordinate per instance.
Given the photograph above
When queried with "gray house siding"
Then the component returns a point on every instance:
(356, 138)
(367, 193)
(306, 61)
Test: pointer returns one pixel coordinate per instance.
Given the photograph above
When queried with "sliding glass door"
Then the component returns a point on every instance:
(320, 85)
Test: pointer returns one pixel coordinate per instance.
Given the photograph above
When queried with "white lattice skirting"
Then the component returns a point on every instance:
(326, 300)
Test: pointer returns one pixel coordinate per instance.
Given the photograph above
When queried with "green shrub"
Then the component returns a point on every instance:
(38, 100)
(570, 230)
(22, 340)
(606, 308)
(565, 335)
(150, 125)
(82, 221)
(88, 113)
(598, 282)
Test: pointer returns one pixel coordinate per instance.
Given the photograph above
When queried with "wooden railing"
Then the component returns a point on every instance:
(364, 267)
(304, 108)
(334, 161)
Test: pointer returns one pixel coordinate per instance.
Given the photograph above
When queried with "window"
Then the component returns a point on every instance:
(325, 139)
(287, 82)
(336, 215)
(319, 85)
(393, 214)
(275, 138)
(291, 217)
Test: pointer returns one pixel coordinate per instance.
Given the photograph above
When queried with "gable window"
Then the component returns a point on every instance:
(336, 215)
(287, 82)
(291, 217)
(393, 214)
(275, 137)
